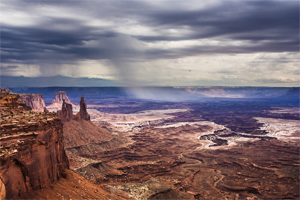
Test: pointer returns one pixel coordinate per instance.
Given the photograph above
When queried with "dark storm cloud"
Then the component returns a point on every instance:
(254, 20)
(229, 49)
(33, 43)
(265, 26)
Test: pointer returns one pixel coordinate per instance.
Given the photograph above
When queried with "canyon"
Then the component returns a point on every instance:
(125, 148)
(178, 159)
(207, 150)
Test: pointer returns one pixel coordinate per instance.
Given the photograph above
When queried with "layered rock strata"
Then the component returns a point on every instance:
(60, 97)
(35, 101)
(31, 150)
(11, 100)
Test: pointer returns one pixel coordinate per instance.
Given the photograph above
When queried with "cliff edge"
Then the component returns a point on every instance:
(31, 150)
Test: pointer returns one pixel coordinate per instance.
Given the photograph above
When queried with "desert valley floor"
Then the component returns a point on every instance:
(202, 154)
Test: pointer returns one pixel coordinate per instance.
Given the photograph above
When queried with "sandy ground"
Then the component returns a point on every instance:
(75, 186)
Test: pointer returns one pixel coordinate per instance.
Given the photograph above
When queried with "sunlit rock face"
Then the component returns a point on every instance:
(32, 150)
(35, 101)
(57, 103)
(60, 97)
(2, 190)
(12, 100)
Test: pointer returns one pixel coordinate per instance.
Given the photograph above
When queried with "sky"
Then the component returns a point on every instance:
(151, 42)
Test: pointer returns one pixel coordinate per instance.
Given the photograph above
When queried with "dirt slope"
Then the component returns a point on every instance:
(82, 132)
(74, 186)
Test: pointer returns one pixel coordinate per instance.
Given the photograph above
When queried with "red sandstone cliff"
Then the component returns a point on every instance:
(31, 149)
(32, 154)
(35, 101)
(2, 190)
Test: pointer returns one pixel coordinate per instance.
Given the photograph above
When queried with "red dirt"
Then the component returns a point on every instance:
(74, 186)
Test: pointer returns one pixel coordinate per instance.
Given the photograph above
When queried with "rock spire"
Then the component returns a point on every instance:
(83, 112)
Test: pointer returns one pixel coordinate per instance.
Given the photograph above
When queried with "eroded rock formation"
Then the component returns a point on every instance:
(35, 101)
(60, 97)
(82, 114)
(66, 112)
(32, 154)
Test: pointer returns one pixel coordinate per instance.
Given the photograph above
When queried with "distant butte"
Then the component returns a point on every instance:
(60, 97)
(35, 101)
(56, 104)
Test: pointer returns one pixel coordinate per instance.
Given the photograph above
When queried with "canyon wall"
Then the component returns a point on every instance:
(31, 150)
(35, 101)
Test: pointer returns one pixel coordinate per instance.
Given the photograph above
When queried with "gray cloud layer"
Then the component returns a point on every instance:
(67, 38)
